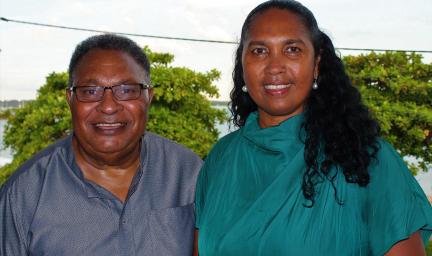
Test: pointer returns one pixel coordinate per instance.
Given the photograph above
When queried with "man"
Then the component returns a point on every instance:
(110, 188)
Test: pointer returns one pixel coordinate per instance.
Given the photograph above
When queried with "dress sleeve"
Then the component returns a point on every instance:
(12, 240)
(398, 206)
(200, 192)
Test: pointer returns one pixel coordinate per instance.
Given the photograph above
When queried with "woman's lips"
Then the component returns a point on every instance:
(277, 89)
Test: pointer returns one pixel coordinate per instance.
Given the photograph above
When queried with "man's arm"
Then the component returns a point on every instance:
(195, 249)
(12, 238)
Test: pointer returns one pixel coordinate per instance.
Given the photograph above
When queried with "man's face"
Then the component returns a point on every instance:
(109, 126)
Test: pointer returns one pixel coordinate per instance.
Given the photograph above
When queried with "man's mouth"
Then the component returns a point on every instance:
(110, 125)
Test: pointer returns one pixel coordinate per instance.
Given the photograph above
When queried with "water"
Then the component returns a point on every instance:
(5, 154)
(424, 179)
(224, 128)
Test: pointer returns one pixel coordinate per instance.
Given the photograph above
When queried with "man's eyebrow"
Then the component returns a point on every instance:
(95, 81)
(91, 81)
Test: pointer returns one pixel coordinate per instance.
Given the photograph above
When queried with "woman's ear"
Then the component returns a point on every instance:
(316, 68)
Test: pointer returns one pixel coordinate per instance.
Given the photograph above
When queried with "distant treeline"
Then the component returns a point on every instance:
(7, 107)
(7, 104)
(219, 103)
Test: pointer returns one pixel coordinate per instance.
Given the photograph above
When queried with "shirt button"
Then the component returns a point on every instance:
(123, 221)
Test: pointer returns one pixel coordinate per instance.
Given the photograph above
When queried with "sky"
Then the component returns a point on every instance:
(29, 53)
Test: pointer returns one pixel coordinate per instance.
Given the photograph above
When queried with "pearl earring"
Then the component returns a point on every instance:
(244, 89)
(315, 85)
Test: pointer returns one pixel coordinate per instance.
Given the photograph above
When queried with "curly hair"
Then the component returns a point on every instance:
(108, 42)
(337, 124)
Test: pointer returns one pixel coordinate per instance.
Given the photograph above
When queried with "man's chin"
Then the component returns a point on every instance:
(107, 146)
(111, 148)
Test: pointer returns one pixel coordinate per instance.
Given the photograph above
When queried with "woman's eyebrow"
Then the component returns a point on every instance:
(286, 41)
(294, 41)
(257, 42)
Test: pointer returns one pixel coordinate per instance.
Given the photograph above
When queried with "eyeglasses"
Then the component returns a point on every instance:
(121, 92)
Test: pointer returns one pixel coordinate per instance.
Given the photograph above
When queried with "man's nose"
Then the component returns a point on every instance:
(109, 104)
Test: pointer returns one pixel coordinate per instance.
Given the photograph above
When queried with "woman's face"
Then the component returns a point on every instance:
(279, 65)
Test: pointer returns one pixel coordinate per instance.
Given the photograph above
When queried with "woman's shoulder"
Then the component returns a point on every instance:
(397, 204)
(387, 160)
(386, 149)
(221, 153)
(390, 173)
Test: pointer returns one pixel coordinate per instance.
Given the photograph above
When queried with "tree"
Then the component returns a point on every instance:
(180, 111)
(397, 88)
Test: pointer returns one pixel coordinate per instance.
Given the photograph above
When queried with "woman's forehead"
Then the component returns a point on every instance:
(276, 22)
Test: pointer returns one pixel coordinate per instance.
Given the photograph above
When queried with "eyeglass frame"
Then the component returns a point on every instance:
(143, 86)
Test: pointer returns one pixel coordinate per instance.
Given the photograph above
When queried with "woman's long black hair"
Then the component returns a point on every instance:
(337, 123)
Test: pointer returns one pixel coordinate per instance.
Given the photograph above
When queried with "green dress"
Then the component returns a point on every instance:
(249, 200)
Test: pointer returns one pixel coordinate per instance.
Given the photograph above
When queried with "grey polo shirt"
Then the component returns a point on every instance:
(48, 208)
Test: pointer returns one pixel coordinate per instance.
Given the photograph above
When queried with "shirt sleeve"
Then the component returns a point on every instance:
(398, 206)
(12, 240)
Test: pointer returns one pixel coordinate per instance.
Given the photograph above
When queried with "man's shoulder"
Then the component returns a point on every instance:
(34, 169)
(170, 162)
(168, 165)
(162, 144)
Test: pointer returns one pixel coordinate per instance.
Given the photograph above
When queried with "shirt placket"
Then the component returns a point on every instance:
(126, 233)
(126, 229)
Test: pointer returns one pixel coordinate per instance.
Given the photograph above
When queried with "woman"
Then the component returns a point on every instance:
(306, 173)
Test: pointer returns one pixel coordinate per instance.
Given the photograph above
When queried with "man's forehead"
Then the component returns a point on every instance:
(106, 57)
(108, 66)
(98, 58)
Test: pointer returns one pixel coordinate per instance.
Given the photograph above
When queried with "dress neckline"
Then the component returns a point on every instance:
(275, 138)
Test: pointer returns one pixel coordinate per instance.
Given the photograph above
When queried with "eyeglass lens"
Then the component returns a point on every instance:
(120, 92)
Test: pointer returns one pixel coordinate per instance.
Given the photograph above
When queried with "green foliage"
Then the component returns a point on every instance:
(397, 87)
(4, 114)
(38, 123)
(180, 111)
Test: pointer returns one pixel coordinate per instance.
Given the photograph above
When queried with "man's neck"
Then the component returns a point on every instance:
(114, 172)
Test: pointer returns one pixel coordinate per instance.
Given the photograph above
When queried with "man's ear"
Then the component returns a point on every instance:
(150, 94)
(69, 95)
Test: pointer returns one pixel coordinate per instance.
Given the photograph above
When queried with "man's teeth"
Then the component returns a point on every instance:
(276, 87)
(108, 124)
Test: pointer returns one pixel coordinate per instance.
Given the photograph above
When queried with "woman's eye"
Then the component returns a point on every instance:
(292, 49)
(259, 51)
